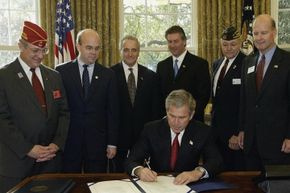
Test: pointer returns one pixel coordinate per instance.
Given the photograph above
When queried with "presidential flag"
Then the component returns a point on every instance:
(248, 17)
(64, 46)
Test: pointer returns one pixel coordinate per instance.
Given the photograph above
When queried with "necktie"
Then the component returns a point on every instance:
(174, 152)
(223, 71)
(260, 72)
(175, 67)
(86, 81)
(37, 87)
(131, 86)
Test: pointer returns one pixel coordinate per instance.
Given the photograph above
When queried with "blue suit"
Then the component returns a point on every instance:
(94, 121)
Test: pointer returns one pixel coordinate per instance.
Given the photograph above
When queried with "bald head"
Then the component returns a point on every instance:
(264, 33)
(87, 33)
(265, 18)
(88, 45)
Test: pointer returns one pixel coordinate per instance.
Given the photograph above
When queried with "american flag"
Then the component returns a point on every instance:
(64, 46)
(248, 17)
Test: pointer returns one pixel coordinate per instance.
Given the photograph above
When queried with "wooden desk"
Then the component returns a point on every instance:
(242, 179)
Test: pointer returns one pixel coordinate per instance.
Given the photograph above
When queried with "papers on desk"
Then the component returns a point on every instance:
(164, 184)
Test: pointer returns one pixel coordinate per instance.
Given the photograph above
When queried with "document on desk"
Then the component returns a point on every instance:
(113, 186)
(162, 185)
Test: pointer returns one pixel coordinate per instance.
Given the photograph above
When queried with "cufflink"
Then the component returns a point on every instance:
(201, 170)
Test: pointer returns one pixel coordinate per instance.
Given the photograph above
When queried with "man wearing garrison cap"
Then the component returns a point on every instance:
(33, 112)
(225, 98)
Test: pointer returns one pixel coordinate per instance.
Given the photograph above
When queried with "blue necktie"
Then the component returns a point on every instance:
(86, 81)
(175, 67)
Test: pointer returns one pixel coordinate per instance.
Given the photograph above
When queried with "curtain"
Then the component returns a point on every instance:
(101, 15)
(214, 16)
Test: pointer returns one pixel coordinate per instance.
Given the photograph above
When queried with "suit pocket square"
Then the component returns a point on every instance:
(56, 94)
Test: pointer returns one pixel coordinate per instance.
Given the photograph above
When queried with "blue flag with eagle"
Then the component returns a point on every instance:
(248, 17)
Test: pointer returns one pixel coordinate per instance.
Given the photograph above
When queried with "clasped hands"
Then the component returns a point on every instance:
(148, 175)
(43, 153)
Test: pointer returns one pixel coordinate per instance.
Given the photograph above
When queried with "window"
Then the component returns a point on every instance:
(149, 19)
(12, 15)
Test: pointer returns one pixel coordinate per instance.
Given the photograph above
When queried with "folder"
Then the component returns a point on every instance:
(47, 186)
(277, 172)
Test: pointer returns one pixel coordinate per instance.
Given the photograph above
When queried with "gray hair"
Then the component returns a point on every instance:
(179, 98)
(129, 37)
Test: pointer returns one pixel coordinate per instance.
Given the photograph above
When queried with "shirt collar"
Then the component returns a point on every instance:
(180, 58)
(126, 67)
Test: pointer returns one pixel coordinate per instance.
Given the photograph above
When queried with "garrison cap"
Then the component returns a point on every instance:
(230, 33)
(34, 34)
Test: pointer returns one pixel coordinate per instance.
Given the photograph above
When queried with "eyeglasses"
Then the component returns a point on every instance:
(35, 51)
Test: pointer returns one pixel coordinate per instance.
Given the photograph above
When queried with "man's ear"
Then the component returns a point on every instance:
(191, 115)
(21, 46)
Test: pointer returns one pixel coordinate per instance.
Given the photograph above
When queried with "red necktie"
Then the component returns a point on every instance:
(37, 87)
(174, 152)
(260, 72)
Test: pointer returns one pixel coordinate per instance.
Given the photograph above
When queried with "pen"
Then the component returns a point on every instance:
(147, 163)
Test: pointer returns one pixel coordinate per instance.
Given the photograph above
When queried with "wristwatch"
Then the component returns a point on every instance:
(201, 170)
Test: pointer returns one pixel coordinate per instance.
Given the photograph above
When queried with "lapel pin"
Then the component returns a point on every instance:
(190, 142)
(234, 67)
(275, 66)
(183, 66)
(20, 75)
(141, 78)
(96, 77)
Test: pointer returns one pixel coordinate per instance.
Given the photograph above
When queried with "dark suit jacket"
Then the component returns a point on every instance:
(155, 142)
(94, 121)
(265, 115)
(193, 76)
(226, 102)
(22, 121)
(146, 107)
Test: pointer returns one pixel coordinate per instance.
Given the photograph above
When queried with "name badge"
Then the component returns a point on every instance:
(251, 69)
(236, 81)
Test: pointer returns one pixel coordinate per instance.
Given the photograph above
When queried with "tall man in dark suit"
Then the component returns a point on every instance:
(265, 101)
(92, 97)
(161, 139)
(226, 99)
(145, 104)
(184, 70)
(34, 116)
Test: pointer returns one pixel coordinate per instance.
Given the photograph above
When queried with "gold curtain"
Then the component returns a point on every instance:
(101, 15)
(214, 16)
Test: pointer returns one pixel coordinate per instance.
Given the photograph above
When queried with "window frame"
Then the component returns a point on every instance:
(14, 48)
(194, 31)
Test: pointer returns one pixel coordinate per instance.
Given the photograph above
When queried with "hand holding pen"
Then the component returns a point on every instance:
(146, 174)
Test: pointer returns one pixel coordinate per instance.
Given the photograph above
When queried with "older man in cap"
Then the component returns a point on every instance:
(34, 115)
(226, 97)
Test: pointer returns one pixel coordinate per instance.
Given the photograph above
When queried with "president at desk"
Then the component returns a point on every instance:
(161, 139)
